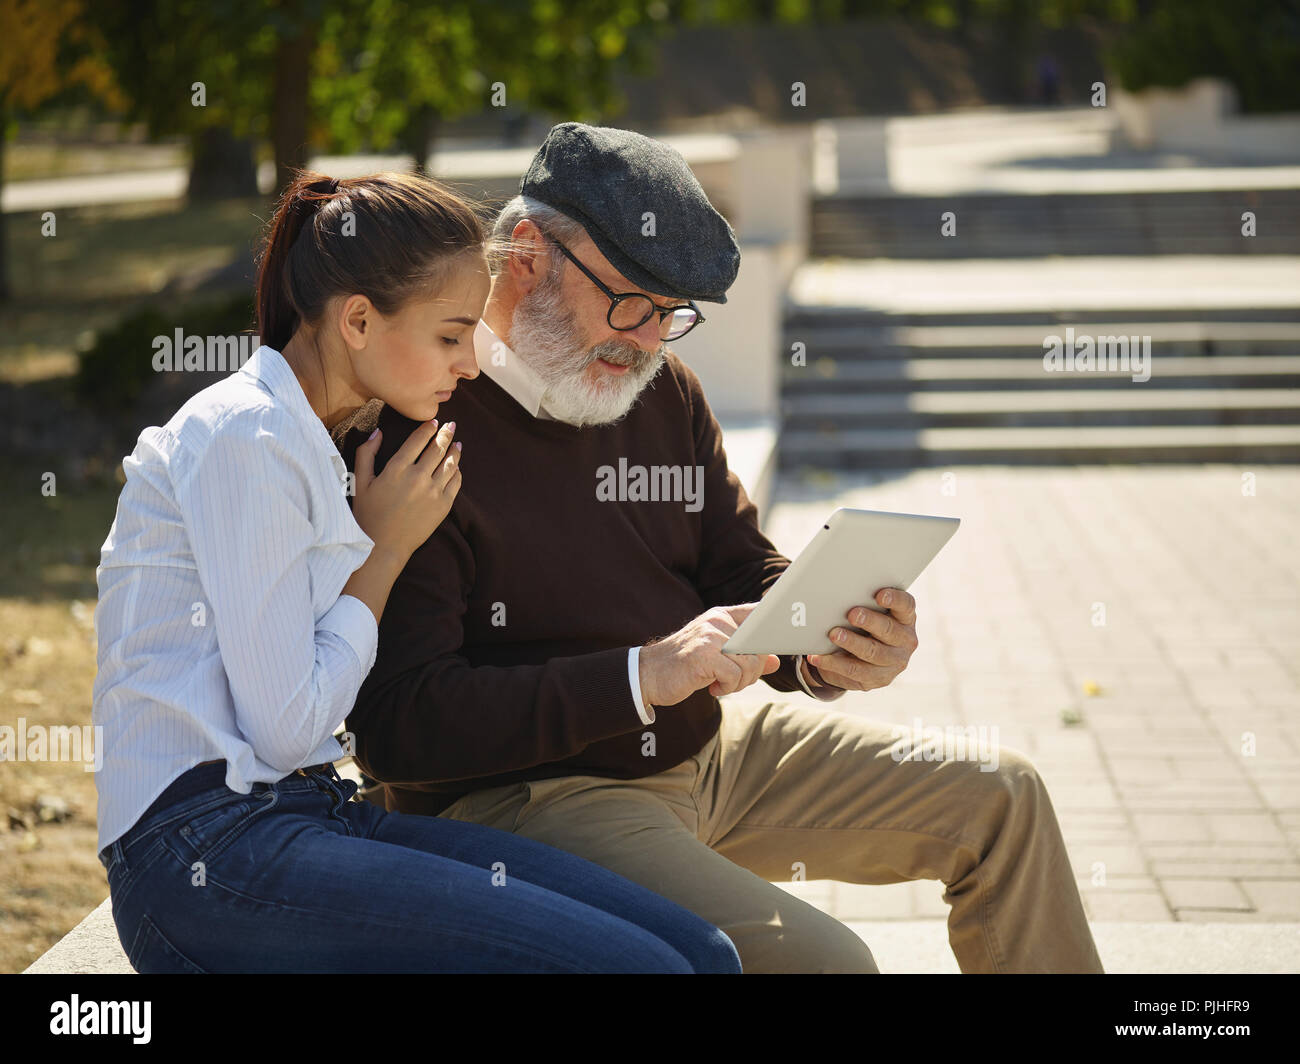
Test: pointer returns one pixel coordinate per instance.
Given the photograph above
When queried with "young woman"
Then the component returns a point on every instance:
(239, 599)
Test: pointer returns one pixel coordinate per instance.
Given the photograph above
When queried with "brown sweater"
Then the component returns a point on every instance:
(503, 647)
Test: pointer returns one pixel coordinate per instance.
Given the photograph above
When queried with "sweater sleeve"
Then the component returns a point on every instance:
(737, 562)
(426, 715)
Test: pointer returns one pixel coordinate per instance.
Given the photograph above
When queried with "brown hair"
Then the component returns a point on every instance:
(403, 232)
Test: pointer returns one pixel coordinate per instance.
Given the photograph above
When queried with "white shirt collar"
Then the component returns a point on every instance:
(515, 376)
(268, 366)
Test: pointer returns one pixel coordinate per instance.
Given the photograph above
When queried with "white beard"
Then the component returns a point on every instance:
(544, 333)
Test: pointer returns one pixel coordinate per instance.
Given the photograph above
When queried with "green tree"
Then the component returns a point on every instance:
(47, 53)
(201, 69)
(389, 72)
(1254, 44)
(339, 74)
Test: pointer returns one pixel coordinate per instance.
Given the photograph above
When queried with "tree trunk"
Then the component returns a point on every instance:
(419, 135)
(4, 244)
(289, 110)
(222, 166)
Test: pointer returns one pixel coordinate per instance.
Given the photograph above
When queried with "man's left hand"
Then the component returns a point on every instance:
(865, 662)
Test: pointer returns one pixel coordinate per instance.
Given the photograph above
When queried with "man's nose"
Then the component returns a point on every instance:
(646, 335)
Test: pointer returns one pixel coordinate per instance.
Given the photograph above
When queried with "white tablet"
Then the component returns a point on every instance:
(855, 554)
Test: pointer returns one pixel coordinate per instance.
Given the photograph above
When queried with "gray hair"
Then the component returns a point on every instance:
(546, 218)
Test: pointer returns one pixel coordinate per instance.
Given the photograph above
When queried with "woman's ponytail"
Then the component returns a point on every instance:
(387, 237)
(277, 317)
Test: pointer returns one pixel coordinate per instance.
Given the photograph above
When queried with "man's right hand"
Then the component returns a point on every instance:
(675, 667)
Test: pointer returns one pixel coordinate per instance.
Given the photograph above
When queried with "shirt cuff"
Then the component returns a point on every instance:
(351, 620)
(647, 714)
(826, 693)
(798, 675)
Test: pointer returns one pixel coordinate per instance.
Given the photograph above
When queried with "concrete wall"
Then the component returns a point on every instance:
(1201, 118)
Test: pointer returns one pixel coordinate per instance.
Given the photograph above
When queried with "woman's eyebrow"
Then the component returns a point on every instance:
(463, 321)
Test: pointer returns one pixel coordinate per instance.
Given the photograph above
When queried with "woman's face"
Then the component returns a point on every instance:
(420, 354)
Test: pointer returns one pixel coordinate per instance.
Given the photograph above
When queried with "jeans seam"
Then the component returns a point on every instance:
(175, 814)
(232, 834)
(281, 906)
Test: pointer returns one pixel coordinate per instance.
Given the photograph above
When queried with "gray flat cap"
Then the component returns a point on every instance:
(606, 179)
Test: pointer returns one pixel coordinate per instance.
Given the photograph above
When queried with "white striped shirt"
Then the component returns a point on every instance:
(222, 632)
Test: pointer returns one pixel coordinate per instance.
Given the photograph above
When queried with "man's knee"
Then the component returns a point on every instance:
(1006, 781)
(801, 940)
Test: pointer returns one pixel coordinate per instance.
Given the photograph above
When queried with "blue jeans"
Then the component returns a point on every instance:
(295, 877)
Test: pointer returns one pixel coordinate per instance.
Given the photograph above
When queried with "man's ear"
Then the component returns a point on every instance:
(528, 256)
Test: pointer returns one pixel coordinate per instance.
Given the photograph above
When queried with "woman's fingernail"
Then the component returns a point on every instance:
(433, 421)
(372, 435)
(458, 445)
(450, 425)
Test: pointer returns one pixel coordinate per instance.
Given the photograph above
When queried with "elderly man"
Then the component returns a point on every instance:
(549, 661)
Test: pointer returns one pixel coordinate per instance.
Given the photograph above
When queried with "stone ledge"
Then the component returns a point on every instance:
(899, 946)
(90, 948)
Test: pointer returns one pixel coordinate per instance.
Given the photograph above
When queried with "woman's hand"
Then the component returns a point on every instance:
(400, 508)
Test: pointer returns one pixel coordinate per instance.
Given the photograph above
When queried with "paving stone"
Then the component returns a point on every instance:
(1245, 827)
(1135, 905)
(852, 901)
(1277, 898)
(1205, 894)
(1118, 860)
(1122, 884)
(1225, 869)
(1172, 827)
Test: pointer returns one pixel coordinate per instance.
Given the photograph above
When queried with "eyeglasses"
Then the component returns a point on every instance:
(631, 310)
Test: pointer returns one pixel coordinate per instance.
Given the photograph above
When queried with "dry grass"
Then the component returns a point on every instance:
(102, 262)
(47, 669)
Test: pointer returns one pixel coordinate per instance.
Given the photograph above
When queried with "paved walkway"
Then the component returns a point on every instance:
(1178, 789)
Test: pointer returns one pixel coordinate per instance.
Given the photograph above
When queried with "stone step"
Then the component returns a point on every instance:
(998, 225)
(1184, 339)
(1026, 371)
(1030, 407)
(1060, 288)
(813, 316)
(903, 448)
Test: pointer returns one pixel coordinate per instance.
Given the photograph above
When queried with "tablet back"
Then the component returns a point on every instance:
(854, 555)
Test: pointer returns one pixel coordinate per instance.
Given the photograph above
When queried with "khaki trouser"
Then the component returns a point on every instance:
(782, 787)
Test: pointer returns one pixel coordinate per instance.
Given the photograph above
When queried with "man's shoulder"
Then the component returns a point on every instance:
(678, 382)
(355, 429)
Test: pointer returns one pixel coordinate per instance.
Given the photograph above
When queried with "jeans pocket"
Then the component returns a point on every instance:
(152, 954)
(208, 835)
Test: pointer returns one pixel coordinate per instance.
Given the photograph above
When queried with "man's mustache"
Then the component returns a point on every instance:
(622, 355)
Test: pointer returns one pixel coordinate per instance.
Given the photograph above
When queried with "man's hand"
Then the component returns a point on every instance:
(865, 662)
(678, 665)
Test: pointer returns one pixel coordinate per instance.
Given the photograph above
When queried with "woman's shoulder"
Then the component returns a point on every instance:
(233, 417)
